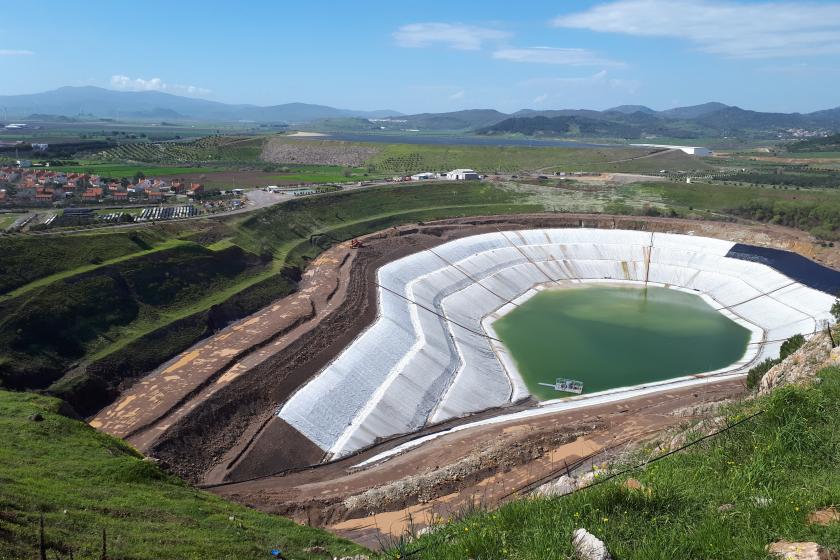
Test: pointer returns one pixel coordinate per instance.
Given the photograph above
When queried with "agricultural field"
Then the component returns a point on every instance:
(405, 158)
(207, 149)
(128, 170)
(274, 175)
(59, 131)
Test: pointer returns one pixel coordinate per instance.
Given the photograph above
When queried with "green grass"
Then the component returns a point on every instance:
(409, 158)
(67, 273)
(814, 155)
(787, 456)
(7, 220)
(31, 258)
(347, 214)
(84, 481)
(718, 197)
(90, 314)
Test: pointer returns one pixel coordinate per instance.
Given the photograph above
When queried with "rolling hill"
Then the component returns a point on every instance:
(72, 101)
(635, 122)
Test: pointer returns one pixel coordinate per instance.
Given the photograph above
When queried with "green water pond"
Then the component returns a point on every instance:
(616, 336)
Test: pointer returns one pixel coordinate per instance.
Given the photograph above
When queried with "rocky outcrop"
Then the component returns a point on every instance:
(802, 365)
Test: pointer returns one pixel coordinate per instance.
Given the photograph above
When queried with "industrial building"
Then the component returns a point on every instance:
(463, 175)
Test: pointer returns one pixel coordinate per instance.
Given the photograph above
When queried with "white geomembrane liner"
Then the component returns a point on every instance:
(413, 367)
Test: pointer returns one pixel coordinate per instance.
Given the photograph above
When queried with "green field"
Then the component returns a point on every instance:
(773, 470)
(815, 155)
(84, 481)
(409, 158)
(7, 220)
(127, 170)
(814, 210)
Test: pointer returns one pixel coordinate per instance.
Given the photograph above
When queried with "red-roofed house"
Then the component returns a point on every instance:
(92, 195)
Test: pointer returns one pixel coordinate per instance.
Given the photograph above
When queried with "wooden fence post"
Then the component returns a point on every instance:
(42, 543)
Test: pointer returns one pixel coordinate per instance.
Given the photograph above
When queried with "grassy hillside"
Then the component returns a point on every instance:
(305, 226)
(26, 259)
(814, 210)
(773, 470)
(84, 481)
(46, 330)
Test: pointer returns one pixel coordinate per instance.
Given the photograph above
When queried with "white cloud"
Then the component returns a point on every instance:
(452, 35)
(600, 80)
(732, 29)
(542, 98)
(125, 83)
(457, 95)
(15, 52)
(549, 55)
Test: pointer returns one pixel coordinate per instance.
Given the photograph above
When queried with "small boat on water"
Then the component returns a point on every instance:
(566, 385)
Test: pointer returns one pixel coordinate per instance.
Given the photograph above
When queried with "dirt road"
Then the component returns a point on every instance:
(483, 465)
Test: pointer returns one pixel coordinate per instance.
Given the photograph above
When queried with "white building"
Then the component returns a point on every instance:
(422, 176)
(690, 150)
(463, 175)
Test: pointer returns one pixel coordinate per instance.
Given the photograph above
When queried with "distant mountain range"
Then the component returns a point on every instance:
(638, 122)
(88, 100)
(625, 121)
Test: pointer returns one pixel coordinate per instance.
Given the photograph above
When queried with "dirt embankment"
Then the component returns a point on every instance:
(484, 465)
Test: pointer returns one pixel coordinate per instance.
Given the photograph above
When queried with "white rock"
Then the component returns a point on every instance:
(801, 551)
(589, 547)
(560, 487)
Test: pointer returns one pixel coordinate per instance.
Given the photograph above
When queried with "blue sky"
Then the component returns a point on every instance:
(435, 55)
